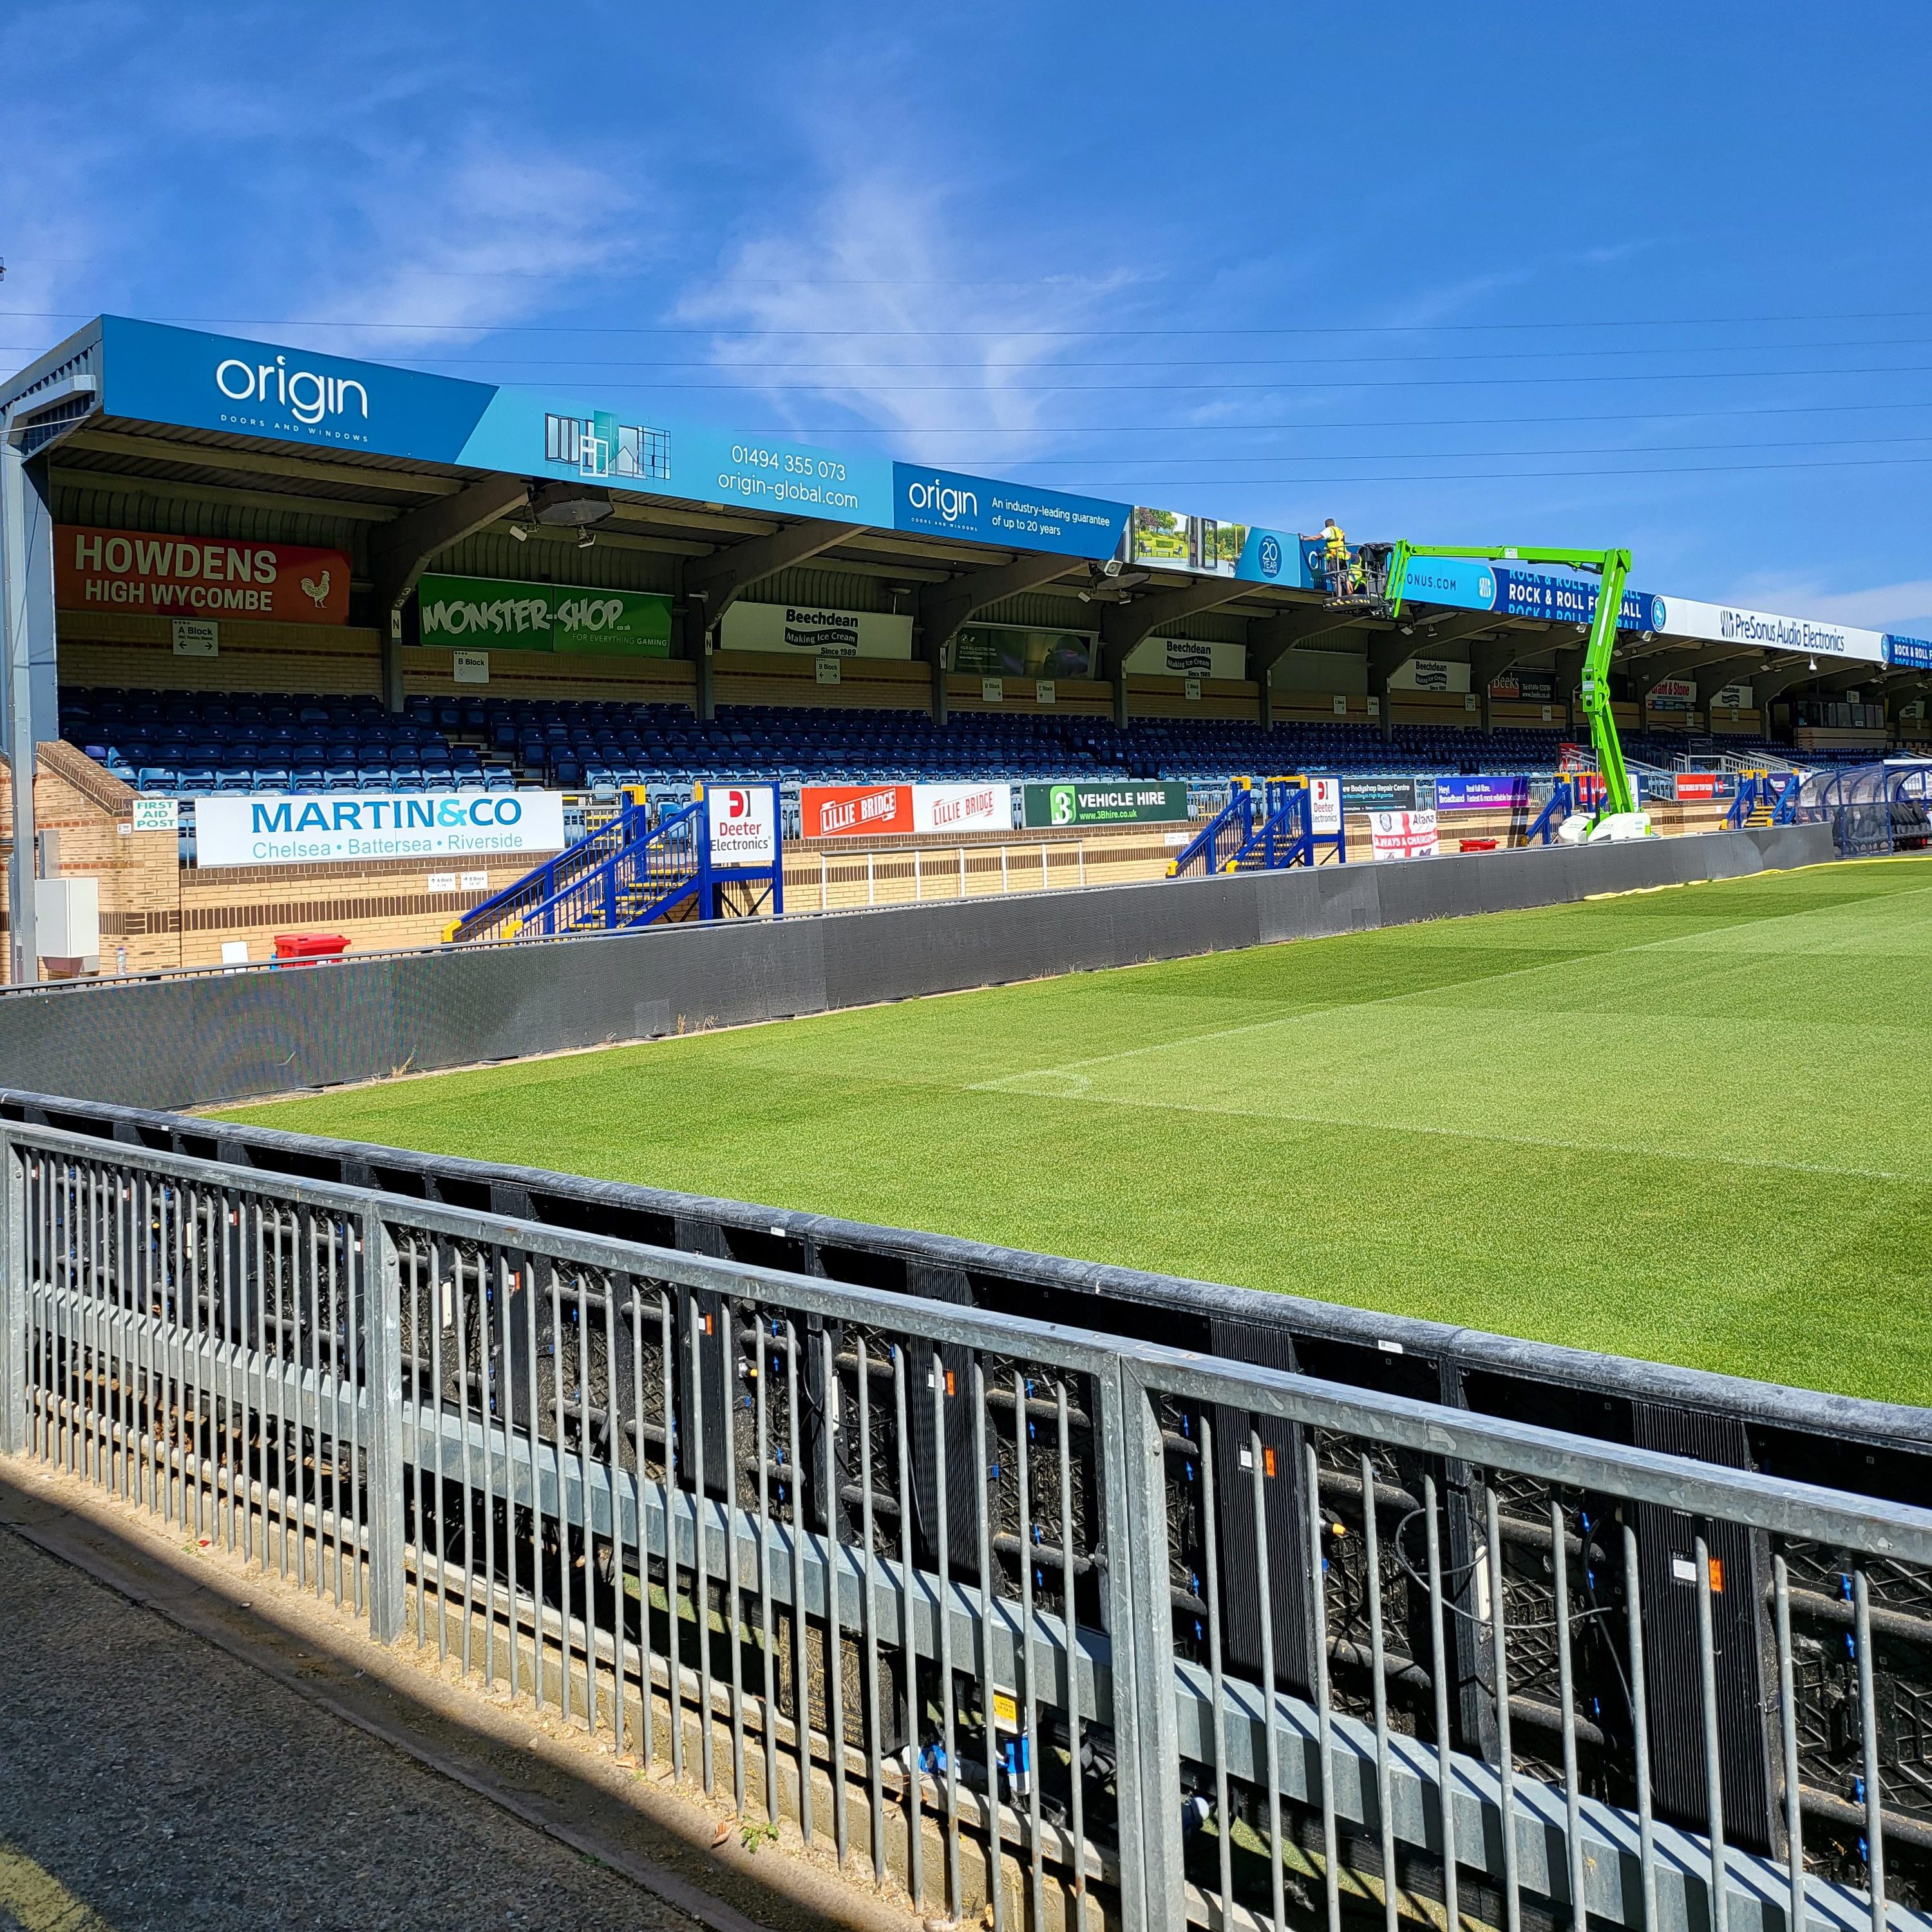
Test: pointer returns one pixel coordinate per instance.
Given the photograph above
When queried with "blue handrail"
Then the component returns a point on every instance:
(537, 887)
(1228, 833)
(1562, 803)
(642, 880)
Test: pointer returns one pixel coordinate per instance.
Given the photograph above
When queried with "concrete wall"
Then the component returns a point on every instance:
(230, 1036)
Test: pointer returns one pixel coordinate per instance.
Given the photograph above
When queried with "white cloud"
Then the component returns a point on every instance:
(453, 247)
(871, 280)
(1905, 607)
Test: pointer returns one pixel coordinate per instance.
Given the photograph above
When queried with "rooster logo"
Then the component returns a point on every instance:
(318, 593)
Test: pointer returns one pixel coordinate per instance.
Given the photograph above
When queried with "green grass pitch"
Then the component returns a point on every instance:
(1694, 1125)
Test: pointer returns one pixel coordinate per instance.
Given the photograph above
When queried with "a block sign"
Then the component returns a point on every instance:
(743, 824)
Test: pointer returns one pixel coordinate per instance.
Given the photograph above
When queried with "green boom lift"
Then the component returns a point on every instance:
(1613, 566)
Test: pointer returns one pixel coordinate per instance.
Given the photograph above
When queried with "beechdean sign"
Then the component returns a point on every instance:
(344, 830)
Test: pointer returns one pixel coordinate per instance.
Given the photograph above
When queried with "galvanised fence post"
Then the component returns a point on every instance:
(13, 1298)
(382, 1339)
(1148, 1738)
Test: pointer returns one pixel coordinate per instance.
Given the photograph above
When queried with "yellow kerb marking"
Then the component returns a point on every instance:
(33, 1896)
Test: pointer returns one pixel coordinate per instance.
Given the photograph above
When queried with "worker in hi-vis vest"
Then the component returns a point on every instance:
(1335, 544)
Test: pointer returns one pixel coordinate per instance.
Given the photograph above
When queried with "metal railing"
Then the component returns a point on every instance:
(1021, 1618)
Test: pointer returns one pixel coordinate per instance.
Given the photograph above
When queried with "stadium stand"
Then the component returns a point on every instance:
(195, 744)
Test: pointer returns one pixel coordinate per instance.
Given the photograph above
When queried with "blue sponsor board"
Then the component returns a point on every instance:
(1511, 591)
(1908, 653)
(944, 503)
(154, 373)
(1487, 792)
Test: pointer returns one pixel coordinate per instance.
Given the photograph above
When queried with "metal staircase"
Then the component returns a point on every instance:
(627, 873)
(1256, 833)
(1764, 798)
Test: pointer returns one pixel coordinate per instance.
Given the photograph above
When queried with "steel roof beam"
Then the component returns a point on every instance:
(1127, 626)
(716, 583)
(943, 608)
(398, 552)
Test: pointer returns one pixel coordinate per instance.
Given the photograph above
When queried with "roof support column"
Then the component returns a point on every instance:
(1489, 660)
(399, 551)
(712, 584)
(1270, 639)
(1389, 652)
(943, 608)
(1129, 624)
(32, 694)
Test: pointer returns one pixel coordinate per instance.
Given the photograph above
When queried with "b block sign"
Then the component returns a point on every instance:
(743, 822)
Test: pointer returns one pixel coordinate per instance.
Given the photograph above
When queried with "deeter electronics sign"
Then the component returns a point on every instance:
(743, 822)
(198, 577)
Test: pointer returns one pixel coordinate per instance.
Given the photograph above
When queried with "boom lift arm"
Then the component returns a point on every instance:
(1613, 567)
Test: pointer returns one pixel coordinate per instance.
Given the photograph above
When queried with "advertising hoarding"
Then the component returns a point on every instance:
(1378, 794)
(944, 503)
(1688, 786)
(505, 615)
(742, 819)
(1118, 802)
(861, 811)
(341, 829)
(1430, 674)
(963, 808)
(1324, 805)
(818, 629)
(1485, 792)
(1909, 653)
(1009, 650)
(201, 577)
(1672, 694)
(1534, 687)
(1726, 624)
(1403, 834)
(853, 811)
(1187, 657)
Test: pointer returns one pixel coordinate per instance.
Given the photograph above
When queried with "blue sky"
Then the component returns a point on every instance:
(1654, 275)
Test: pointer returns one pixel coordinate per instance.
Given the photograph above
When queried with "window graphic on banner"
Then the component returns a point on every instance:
(943, 503)
(1064, 805)
(128, 570)
(508, 616)
(822, 631)
(1171, 540)
(1403, 834)
(743, 822)
(1005, 650)
(270, 829)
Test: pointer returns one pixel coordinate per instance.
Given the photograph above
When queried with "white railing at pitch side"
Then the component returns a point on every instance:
(1035, 1622)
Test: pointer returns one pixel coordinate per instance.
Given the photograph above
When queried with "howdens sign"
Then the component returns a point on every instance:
(344, 828)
